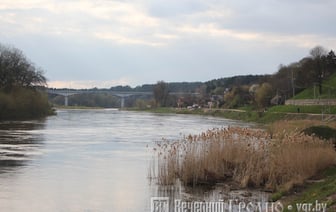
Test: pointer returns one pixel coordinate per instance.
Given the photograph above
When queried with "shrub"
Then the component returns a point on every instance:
(23, 103)
(323, 132)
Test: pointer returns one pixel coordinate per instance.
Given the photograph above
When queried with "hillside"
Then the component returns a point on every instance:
(328, 90)
(229, 82)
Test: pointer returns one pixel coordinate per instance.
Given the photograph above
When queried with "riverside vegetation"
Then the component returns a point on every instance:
(296, 146)
(23, 103)
(253, 158)
(277, 159)
(20, 79)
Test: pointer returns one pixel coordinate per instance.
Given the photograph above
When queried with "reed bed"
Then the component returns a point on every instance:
(252, 158)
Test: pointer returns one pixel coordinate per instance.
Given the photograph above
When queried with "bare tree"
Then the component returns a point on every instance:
(161, 93)
(318, 54)
(17, 70)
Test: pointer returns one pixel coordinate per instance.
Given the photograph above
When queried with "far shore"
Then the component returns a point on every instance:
(261, 116)
(75, 107)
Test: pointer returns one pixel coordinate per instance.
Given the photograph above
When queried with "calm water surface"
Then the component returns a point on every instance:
(87, 160)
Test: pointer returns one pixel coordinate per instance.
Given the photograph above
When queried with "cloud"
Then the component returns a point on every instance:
(175, 40)
(99, 19)
(285, 17)
(174, 8)
(81, 84)
(158, 23)
(126, 40)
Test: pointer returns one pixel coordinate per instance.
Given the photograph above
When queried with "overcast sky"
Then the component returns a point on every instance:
(103, 43)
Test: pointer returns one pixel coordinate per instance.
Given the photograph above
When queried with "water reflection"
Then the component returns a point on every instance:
(19, 143)
(93, 160)
(230, 198)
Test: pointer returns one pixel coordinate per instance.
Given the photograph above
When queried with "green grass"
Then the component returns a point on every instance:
(328, 90)
(319, 191)
(307, 94)
(277, 195)
(315, 109)
(271, 115)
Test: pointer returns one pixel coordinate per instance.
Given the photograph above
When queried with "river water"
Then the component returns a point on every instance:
(87, 160)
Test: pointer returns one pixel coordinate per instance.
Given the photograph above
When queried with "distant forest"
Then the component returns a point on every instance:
(259, 91)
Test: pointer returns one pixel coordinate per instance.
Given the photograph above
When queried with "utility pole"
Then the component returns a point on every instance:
(293, 87)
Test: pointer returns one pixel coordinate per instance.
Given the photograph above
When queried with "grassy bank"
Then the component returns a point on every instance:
(328, 90)
(270, 115)
(224, 113)
(315, 109)
(322, 189)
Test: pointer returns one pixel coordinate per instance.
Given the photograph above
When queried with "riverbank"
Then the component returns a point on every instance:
(75, 107)
(24, 103)
(320, 186)
(320, 189)
(262, 117)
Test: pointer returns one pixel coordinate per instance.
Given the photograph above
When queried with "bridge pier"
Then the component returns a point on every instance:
(122, 102)
(66, 100)
(121, 94)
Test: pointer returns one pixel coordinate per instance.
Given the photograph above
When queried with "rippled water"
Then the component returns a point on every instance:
(87, 160)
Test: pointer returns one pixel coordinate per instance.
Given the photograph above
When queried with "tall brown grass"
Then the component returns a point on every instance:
(253, 158)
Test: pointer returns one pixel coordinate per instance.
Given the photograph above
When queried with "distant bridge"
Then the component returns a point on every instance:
(122, 94)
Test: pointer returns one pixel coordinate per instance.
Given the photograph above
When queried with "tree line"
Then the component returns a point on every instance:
(309, 71)
(258, 91)
(263, 90)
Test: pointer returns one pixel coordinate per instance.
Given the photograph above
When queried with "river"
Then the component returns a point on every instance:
(87, 160)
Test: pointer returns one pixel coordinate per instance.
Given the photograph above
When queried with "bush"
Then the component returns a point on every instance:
(141, 104)
(323, 132)
(23, 103)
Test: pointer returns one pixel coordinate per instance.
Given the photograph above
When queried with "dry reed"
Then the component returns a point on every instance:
(253, 158)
